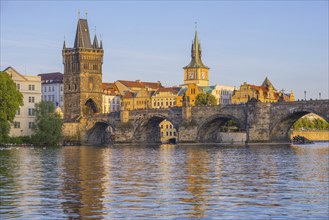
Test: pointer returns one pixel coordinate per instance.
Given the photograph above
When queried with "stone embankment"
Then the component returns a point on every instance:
(312, 135)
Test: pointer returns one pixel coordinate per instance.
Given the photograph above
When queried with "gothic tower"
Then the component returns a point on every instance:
(196, 72)
(82, 74)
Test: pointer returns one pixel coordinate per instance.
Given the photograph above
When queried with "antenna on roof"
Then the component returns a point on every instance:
(79, 13)
(86, 13)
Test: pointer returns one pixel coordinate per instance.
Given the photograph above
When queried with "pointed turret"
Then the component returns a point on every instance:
(101, 44)
(82, 36)
(64, 45)
(95, 44)
(196, 54)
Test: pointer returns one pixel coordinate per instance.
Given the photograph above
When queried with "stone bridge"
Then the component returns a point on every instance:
(262, 122)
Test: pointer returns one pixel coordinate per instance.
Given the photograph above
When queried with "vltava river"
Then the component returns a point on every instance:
(165, 182)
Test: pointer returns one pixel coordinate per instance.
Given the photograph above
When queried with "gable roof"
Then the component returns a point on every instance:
(47, 78)
(140, 84)
(267, 83)
(16, 72)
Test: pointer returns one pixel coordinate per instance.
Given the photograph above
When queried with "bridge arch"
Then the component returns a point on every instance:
(209, 128)
(279, 129)
(101, 133)
(90, 107)
(148, 129)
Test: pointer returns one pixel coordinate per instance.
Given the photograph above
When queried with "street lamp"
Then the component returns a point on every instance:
(305, 95)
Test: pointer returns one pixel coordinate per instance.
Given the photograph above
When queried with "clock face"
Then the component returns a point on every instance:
(203, 75)
(191, 75)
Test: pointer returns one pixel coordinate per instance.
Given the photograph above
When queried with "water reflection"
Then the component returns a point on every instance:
(164, 181)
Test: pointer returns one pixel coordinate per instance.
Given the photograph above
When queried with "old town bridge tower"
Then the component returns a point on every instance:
(82, 74)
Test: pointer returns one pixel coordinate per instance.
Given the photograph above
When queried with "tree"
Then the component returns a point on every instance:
(48, 127)
(203, 99)
(10, 101)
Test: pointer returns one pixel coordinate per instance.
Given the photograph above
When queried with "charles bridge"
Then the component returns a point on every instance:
(262, 122)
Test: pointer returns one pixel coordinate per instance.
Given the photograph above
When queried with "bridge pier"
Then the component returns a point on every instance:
(258, 122)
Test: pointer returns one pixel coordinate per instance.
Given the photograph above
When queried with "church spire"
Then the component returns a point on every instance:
(196, 53)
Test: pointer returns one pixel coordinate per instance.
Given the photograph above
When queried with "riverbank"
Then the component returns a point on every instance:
(312, 135)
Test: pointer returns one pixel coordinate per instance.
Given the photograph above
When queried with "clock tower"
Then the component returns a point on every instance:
(196, 72)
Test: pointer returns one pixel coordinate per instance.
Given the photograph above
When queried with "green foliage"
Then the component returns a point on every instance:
(10, 100)
(203, 99)
(19, 140)
(307, 124)
(48, 128)
(230, 125)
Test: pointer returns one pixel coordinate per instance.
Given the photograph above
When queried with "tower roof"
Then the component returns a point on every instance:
(196, 53)
(267, 83)
(82, 36)
(95, 44)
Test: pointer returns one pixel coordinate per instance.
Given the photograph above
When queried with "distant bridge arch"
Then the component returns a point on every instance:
(209, 128)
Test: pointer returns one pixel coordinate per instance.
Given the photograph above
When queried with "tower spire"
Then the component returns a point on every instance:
(196, 51)
(64, 44)
(101, 43)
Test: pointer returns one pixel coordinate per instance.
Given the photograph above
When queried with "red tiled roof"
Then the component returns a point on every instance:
(109, 88)
(128, 95)
(168, 89)
(140, 84)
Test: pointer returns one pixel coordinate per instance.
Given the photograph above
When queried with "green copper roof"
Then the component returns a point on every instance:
(196, 53)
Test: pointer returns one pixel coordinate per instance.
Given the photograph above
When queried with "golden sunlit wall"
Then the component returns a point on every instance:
(262, 93)
(191, 93)
(163, 100)
(167, 130)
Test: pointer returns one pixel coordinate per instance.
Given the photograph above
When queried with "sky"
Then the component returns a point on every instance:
(242, 41)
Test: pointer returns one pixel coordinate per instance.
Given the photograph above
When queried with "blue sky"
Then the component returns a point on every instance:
(242, 41)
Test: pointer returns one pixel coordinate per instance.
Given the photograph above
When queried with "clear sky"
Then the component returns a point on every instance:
(242, 41)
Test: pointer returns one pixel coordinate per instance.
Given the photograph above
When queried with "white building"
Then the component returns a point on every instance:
(30, 87)
(111, 100)
(226, 93)
(52, 88)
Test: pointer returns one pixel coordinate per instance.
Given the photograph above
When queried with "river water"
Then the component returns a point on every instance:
(165, 182)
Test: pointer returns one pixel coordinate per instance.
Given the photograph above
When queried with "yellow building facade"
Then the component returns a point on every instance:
(167, 131)
(189, 93)
(164, 98)
(264, 93)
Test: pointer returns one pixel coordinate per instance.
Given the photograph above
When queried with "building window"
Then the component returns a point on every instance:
(53, 88)
(61, 98)
(31, 99)
(31, 111)
(17, 124)
(18, 112)
(61, 88)
(18, 86)
(45, 89)
(31, 125)
(31, 87)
